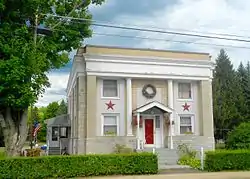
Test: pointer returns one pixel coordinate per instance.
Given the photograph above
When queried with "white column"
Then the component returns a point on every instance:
(129, 107)
(171, 105)
(138, 131)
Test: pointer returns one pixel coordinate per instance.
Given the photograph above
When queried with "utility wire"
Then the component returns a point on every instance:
(150, 38)
(167, 40)
(160, 28)
(69, 14)
(154, 39)
(150, 30)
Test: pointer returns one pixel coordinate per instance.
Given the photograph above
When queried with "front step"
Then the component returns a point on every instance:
(54, 151)
(166, 157)
(174, 167)
(178, 170)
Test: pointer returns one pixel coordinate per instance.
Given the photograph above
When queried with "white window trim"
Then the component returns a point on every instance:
(192, 91)
(192, 123)
(117, 122)
(118, 88)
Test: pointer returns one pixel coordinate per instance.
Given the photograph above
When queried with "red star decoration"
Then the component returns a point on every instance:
(110, 105)
(185, 107)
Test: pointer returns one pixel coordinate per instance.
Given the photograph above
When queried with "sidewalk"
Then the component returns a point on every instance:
(217, 175)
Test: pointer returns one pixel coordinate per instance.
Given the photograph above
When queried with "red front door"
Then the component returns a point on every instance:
(149, 131)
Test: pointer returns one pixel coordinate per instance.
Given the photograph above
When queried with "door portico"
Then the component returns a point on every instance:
(149, 122)
(151, 131)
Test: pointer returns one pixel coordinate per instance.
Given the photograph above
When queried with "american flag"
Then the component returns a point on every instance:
(37, 127)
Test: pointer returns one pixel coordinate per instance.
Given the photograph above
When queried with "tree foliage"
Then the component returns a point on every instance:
(26, 58)
(63, 108)
(231, 95)
(51, 110)
(224, 98)
(239, 138)
(24, 63)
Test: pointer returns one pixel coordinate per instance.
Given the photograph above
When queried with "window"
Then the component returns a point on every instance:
(184, 91)
(110, 126)
(186, 125)
(55, 133)
(110, 88)
(63, 132)
(157, 122)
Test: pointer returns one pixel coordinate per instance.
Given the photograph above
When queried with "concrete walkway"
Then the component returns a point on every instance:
(217, 175)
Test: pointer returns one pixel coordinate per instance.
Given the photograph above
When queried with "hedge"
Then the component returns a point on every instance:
(75, 166)
(227, 160)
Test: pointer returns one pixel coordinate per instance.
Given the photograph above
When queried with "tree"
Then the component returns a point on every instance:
(243, 80)
(247, 90)
(26, 58)
(63, 108)
(225, 95)
(35, 114)
(239, 138)
(51, 110)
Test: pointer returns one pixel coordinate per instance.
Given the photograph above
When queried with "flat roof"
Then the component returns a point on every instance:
(141, 52)
(142, 49)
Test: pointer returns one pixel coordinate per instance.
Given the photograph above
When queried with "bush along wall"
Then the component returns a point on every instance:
(227, 160)
(75, 166)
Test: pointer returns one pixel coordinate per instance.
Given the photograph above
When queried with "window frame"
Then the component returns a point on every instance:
(157, 119)
(192, 123)
(191, 91)
(117, 88)
(66, 132)
(117, 123)
(52, 132)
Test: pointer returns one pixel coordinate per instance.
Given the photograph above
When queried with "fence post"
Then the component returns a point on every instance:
(153, 150)
(202, 158)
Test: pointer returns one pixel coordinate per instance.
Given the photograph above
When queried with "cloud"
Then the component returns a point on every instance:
(57, 91)
(207, 16)
(210, 16)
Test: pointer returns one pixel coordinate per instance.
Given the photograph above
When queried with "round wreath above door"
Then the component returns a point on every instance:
(149, 91)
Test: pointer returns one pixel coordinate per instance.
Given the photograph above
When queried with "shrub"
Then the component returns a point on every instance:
(185, 150)
(187, 156)
(33, 152)
(192, 162)
(78, 166)
(122, 149)
(239, 138)
(227, 160)
(219, 146)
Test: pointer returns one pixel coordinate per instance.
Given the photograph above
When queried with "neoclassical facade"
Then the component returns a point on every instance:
(141, 98)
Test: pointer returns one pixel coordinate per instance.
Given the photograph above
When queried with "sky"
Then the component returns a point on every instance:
(206, 17)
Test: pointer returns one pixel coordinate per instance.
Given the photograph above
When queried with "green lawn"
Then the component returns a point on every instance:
(2, 152)
(219, 146)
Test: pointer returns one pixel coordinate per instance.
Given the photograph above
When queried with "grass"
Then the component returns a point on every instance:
(2, 154)
(219, 146)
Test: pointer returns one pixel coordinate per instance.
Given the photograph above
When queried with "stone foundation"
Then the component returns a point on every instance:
(106, 144)
(195, 142)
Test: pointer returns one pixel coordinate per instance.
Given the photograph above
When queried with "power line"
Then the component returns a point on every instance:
(166, 40)
(154, 39)
(72, 11)
(212, 33)
(150, 30)
(176, 29)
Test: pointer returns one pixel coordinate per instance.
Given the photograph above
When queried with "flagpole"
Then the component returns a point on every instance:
(31, 128)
